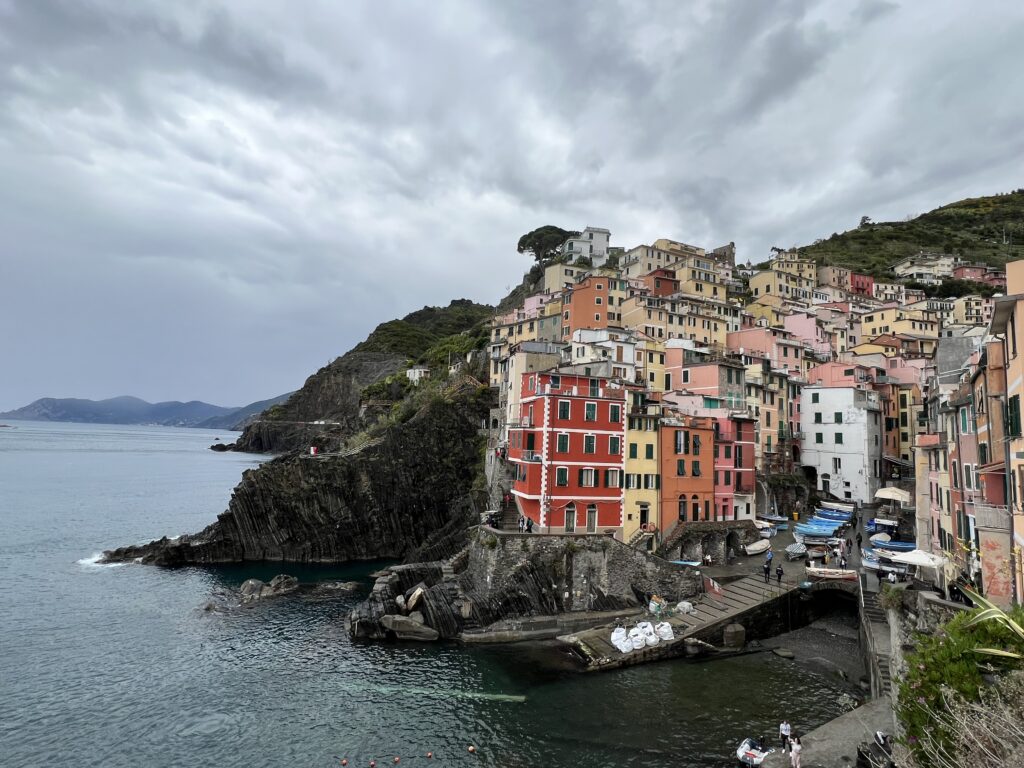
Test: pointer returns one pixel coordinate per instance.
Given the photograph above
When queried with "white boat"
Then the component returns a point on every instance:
(772, 518)
(833, 574)
(758, 547)
(750, 752)
(880, 537)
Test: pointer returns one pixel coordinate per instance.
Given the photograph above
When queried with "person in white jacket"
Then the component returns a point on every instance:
(785, 730)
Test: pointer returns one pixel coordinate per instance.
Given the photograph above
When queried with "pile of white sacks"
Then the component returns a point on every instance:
(641, 636)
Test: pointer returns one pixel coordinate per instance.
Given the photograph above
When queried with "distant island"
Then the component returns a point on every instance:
(132, 410)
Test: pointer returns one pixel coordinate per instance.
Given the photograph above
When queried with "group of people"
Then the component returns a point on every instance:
(790, 742)
(525, 524)
(767, 569)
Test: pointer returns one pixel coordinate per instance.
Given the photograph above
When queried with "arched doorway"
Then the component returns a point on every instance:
(570, 517)
(592, 518)
(732, 545)
(695, 507)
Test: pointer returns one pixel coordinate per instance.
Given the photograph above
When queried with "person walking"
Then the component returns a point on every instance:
(860, 539)
(522, 523)
(529, 525)
(768, 557)
(785, 730)
(842, 562)
(767, 573)
(795, 748)
(778, 574)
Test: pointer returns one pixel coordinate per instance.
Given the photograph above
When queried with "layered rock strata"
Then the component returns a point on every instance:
(405, 491)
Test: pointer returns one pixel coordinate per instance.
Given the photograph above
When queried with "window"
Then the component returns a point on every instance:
(837, 464)
(590, 412)
(649, 451)
(588, 478)
(955, 475)
(615, 413)
(817, 417)
(590, 444)
(632, 450)
(814, 397)
(562, 444)
(696, 443)
(682, 441)
(727, 479)
(681, 467)
(563, 409)
(686, 377)
(614, 445)
(818, 438)
(1013, 415)
(728, 452)
(839, 417)
(613, 478)
(562, 476)
(696, 468)
(652, 482)
(839, 438)
(556, 382)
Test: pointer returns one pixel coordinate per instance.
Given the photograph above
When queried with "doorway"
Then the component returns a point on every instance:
(591, 518)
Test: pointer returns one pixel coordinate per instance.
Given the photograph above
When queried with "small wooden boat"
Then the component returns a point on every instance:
(833, 515)
(842, 506)
(816, 553)
(832, 574)
(796, 551)
(757, 547)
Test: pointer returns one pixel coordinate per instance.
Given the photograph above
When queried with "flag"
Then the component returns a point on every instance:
(712, 587)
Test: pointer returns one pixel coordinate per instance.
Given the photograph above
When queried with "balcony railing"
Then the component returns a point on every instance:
(524, 423)
(992, 517)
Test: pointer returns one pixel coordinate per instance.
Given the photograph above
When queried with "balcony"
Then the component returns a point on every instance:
(524, 423)
(992, 517)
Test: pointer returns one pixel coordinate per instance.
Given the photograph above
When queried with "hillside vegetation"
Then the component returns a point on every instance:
(988, 230)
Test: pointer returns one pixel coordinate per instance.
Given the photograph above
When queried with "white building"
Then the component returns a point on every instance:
(842, 441)
(591, 243)
(601, 344)
(417, 373)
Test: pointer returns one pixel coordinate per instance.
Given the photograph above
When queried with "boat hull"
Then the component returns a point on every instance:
(757, 547)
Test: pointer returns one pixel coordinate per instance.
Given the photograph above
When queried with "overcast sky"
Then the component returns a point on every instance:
(211, 200)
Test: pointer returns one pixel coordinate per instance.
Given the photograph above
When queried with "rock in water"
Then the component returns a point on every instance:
(784, 653)
(254, 589)
(407, 629)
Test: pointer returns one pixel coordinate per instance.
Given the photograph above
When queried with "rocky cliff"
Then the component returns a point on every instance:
(326, 410)
(406, 489)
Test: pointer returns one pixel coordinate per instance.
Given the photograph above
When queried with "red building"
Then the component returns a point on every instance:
(661, 282)
(862, 284)
(567, 452)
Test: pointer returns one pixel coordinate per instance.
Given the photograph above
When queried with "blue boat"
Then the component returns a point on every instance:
(825, 521)
(896, 546)
(833, 515)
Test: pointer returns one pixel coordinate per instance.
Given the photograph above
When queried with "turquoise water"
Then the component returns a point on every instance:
(120, 666)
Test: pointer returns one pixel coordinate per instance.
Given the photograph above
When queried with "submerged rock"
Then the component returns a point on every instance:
(253, 590)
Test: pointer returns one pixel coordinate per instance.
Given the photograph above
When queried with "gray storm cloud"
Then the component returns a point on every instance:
(211, 200)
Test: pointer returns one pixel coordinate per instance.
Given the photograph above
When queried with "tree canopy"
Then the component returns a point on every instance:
(543, 243)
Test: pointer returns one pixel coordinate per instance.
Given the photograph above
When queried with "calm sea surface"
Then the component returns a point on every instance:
(120, 666)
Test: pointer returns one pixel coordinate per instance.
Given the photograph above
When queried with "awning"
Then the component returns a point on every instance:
(895, 460)
(893, 494)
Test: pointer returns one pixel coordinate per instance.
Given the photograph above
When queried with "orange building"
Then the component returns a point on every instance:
(587, 305)
(687, 469)
(661, 282)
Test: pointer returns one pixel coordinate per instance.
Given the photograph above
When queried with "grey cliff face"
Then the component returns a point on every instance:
(407, 491)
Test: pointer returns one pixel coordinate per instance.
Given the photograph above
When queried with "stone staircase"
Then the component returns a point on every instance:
(872, 609)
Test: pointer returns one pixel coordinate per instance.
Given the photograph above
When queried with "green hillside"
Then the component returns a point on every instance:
(988, 230)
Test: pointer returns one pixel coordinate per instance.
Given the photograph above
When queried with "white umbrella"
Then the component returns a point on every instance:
(918, 557)
(893, 494)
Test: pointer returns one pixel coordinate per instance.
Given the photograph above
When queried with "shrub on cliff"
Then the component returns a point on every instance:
(948, 673)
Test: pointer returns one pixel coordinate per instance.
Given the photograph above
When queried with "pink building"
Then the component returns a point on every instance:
(805, 327)
(981, 274)
(838, 374)
(777, 345)
(734, 466)
(721, 380)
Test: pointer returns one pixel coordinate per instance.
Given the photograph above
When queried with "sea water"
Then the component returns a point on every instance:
(122, 666)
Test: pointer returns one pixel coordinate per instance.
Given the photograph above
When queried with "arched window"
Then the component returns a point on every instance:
(570, 517)
(682, 508)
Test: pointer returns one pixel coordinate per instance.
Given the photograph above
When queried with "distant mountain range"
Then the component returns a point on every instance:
(132, 410)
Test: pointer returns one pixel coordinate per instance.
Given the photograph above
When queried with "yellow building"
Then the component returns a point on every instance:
(972, 310)
(897, 320)
(642, 482)
(650, 362)
(792, 264)
(771, 282)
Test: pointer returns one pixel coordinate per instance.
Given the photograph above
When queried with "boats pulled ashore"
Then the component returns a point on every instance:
(757, 547)
(831, 574)
(796, 551)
